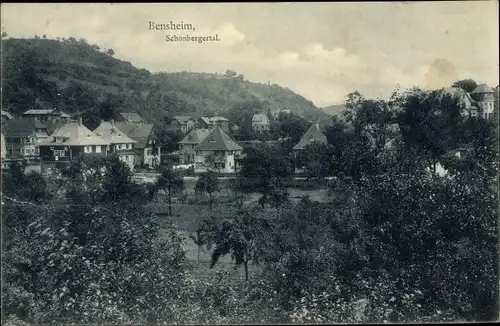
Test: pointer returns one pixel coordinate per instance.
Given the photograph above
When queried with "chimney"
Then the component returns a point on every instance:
(112, 122)
(80, 121)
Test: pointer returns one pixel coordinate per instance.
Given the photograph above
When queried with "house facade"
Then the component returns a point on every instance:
(485, 98)
(23, 137)
(188, 144)
(70, 141)
(119, 143)
(218, 153)
(213, 122)
(260, 122)
(147, 151)
(480, 102)
(182, 123)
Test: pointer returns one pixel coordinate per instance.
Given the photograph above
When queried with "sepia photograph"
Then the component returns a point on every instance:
(249, 163)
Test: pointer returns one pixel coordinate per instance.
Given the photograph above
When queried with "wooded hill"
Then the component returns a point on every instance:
(77, 77)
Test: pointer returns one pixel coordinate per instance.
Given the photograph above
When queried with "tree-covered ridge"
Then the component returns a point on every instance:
(81, 78)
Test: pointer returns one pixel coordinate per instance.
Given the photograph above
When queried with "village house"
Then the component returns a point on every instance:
(147, 151)
(119, 143)
(6, 116)
(70, 141)
(313, 134)
(45, 115)
(130, 117)
(188, 144)
(213, 122)
(184, 123)
(480, 102)
(218, 153)
(22, 138)
(260, 122)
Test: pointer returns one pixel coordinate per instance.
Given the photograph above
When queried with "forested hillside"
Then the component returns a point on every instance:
(81, 78)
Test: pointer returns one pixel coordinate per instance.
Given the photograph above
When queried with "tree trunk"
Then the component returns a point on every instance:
(199, 248)
(245, 263)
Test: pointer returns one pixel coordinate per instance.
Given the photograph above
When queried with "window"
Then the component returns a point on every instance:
(98, 149)
(129, 146)
(93, 149)
(58, 152)
(149, 152)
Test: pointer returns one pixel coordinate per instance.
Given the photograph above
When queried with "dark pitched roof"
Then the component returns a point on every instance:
(195, 136)
(140, 132)
(131, 117)
(22, 127)
(312, 134)
(483, 88)
(54, 125)
(218, 140)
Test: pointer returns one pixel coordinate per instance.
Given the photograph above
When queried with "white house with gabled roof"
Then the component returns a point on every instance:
(119, 143)
(217, 152)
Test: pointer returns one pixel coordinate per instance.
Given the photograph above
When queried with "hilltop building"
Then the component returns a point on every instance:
(260, 122)
(480, 102)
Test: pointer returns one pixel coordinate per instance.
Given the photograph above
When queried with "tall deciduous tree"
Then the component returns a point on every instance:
(172, 183)
(208, 183)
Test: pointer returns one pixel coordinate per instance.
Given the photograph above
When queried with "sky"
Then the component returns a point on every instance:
(322, 51)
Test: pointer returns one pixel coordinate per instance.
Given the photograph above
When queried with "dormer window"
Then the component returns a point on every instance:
(212, 141)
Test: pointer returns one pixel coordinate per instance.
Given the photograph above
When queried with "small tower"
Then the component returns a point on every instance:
(484, 95)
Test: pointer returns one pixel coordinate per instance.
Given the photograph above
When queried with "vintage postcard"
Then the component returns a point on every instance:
(249, 163)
